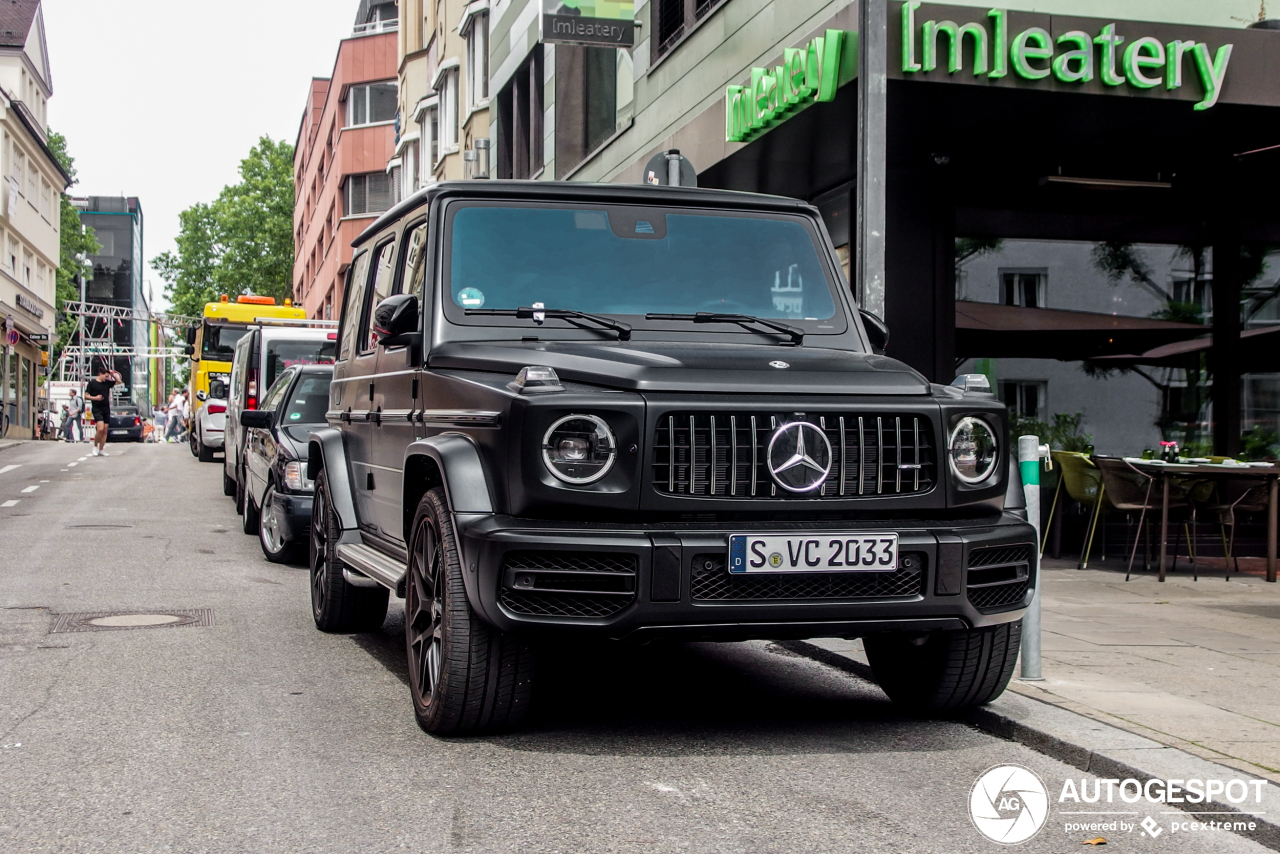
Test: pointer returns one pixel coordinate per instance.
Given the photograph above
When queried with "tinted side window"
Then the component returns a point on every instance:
(414, 275)
(383, 276)
(353, 303)
(277, 390)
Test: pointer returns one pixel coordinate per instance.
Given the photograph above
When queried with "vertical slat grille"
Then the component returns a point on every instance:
(725, 455)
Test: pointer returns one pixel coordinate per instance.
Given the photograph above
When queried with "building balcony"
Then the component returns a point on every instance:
(373, 28)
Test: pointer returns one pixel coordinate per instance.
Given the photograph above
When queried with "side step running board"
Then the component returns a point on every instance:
(372, 563)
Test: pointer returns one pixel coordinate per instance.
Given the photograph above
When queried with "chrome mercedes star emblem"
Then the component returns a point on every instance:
(778, 364)
(799, 457)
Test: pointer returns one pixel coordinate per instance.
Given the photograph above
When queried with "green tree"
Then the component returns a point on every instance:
(77, 241)
(240, 243)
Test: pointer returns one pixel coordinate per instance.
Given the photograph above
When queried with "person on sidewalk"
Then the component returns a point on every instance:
(65, 429)
(98, 393)
(75, 410)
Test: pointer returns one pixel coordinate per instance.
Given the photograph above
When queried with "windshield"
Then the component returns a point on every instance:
(218, 341)
(286, 354)
(309, 401)
(633, 260)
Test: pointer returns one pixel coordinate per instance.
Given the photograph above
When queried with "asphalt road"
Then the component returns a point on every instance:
(261, 734)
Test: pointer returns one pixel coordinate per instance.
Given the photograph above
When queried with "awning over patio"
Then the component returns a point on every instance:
(988, 330)
(1259, 352)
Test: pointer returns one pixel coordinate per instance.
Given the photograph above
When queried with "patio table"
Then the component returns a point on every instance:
(1167, 471)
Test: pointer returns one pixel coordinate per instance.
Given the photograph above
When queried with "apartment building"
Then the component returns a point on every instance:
(345, 140)
(444, 91)
(29, 214)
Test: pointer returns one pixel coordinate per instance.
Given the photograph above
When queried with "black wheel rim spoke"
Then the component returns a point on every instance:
(424, 625)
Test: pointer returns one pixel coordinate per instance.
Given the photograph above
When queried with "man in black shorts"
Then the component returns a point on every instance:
(98, 392)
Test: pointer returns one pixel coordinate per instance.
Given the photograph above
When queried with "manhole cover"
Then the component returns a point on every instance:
(112, 621)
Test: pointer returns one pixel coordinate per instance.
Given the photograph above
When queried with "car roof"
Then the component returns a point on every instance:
(580, 191)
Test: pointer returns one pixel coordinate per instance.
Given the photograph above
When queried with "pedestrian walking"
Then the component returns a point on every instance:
(185, 410)
(75, 411)
(65, 429)
(173, 418)
(98, 393)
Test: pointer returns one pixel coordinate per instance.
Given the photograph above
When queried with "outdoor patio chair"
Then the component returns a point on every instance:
(1231, 496)
(1083, 483)
(1131, 489)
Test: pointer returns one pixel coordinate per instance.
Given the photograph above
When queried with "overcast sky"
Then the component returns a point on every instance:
(161, 99)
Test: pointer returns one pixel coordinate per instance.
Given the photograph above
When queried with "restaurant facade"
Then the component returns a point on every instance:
(1066, 203)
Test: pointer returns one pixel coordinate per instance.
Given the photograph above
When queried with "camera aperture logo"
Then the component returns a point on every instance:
(1008, 804)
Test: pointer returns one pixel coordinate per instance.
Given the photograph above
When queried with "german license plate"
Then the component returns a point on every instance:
(813, 553)
(118, 432)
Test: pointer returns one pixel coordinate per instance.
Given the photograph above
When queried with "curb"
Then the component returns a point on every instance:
(1093, 747)
(5, 444)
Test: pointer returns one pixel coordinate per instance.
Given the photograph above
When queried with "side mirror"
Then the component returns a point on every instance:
(395, 318)
(200, 395)
(256, 418)
(190, 349)
(877, 332)
(191, 335)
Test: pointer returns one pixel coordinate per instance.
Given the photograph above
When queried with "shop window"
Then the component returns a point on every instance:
(371, 102)
(365, 194)
(673, 19)
(1025, 398)
(1024, 288)
(586, 102)
(477, 36)
(520, 110)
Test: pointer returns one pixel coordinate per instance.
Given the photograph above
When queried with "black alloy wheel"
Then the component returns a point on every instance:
(336, 604)
(465, 677)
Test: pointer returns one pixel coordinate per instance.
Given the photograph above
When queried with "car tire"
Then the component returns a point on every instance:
(194, 444)
(944, 672)
(336, 604)
(228, 485)
(465, 677)
(275, 547)
(249, 517)
(239, 492)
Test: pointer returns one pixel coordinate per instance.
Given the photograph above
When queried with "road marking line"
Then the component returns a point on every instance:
(12, 503)
(82, 459)
(72, 465)
(10, 468)
(44, 481)
(64, 469)
(32, 488)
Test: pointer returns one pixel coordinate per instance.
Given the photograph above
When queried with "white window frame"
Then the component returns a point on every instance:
(476, 33)
(365, 88)
(447, 92)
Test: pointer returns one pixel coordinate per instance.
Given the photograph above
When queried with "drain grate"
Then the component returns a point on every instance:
(115, 621)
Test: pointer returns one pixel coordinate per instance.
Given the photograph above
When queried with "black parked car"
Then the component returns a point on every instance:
(126, 424)
(649, 413)
(278, 490)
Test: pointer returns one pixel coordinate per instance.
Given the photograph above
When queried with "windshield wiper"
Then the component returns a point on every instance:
(794, 332)
(540, 314)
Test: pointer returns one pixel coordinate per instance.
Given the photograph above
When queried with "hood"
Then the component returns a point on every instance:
(692, 367)
(296, 437)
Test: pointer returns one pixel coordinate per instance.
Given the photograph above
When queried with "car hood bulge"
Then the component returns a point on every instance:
(693, 367)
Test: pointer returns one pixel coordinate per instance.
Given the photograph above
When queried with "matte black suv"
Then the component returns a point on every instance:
(648, 413)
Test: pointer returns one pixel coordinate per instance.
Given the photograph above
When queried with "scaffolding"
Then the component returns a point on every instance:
(96, 324)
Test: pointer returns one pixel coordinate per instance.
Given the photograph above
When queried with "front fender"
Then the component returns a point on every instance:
(452, 461)
(326, 451)
(457, 459)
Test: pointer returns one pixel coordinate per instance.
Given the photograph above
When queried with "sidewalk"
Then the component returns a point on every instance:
(10, 443)
(1194, 665)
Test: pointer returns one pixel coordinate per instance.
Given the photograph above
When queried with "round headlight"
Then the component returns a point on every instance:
(579, 449)
(973, 450)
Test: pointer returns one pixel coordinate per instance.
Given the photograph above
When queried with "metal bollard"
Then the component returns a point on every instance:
(1030, 453)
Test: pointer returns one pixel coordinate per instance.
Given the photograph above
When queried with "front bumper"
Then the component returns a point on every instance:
(670, 581)
(294, 510)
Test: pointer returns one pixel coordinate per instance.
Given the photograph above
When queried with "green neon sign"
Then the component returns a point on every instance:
(1073, 57)
(807, 74)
